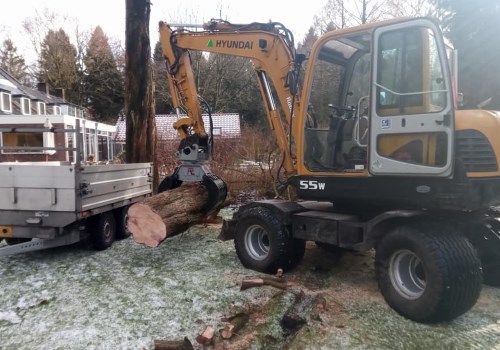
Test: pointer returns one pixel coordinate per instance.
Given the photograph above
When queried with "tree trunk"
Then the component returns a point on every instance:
(167, 213)
(139, 100)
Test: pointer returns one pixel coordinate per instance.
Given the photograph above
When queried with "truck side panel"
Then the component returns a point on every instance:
(37, 186)
(102, 185)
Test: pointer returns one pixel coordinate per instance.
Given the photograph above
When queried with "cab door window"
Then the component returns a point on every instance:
(409, 74)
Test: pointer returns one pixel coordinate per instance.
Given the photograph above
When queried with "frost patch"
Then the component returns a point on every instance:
(10, 317)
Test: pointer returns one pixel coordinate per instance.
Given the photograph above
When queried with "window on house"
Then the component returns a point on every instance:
(41, 107)
(5, 102)
(217, 131)
(22, 139)
(56, 110)
(72, 111)
(25, 106)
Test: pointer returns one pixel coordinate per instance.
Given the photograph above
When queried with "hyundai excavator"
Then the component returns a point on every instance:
(373, 143)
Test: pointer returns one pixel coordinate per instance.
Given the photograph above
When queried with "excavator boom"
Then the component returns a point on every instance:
(270, 47)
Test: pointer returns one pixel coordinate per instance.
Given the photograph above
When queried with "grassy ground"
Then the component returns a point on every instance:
(129, 295)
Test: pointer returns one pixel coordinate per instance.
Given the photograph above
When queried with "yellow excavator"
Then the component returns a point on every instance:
(373, 143)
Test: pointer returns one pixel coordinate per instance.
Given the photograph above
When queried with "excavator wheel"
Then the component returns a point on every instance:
(263, 243)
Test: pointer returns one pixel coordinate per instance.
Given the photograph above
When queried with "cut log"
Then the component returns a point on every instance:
(279, 283)
(206, 337)
(184, 344)
(167, 213)
(236, 323)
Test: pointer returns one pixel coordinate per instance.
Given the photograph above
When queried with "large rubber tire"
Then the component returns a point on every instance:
(104, 231)
(427, 274)
(121, 217)
(263, 244)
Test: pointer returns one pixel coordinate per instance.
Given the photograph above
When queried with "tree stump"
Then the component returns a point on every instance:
(166, 214)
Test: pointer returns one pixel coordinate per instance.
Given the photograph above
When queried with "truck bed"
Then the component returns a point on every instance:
(38, 199)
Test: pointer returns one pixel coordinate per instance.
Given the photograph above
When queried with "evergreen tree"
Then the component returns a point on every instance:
(306, 45)
(58, 65)
(473, 27)
(12, 62)
(102, 81)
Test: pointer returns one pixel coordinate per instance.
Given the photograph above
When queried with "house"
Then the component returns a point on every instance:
(23, 107)
(225, 125)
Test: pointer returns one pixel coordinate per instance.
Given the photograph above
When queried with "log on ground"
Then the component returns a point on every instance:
(184, 344)
(305, 308)
(167, 213)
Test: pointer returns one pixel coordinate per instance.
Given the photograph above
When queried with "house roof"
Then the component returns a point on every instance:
(10, 84)
(225, 125)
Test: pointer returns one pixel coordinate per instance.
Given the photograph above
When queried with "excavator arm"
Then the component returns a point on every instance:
(269, 46)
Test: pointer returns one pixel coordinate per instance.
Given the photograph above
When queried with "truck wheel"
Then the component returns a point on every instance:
(427, 274)
(263, 244)
(121, 216)
(104, 232)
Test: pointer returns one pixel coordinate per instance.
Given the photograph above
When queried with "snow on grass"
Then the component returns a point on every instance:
(121, 298)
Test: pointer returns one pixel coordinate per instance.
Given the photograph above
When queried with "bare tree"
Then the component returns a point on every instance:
(411, 8)
(338, 14)
(347, 13)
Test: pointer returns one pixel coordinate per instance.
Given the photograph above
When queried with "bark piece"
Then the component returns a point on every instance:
(167, 213)
(206, 337)
(184, 344)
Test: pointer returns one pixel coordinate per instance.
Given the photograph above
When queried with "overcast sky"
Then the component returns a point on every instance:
(110, 15)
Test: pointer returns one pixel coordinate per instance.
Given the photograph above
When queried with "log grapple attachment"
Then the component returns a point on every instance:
(216, 187)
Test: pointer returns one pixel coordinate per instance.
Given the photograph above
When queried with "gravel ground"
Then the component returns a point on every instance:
(129, 295)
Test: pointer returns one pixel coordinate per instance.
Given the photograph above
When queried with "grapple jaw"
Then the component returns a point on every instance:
(217, 193)
(216, 187)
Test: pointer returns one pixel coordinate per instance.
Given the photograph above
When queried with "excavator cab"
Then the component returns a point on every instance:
(383, 103)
